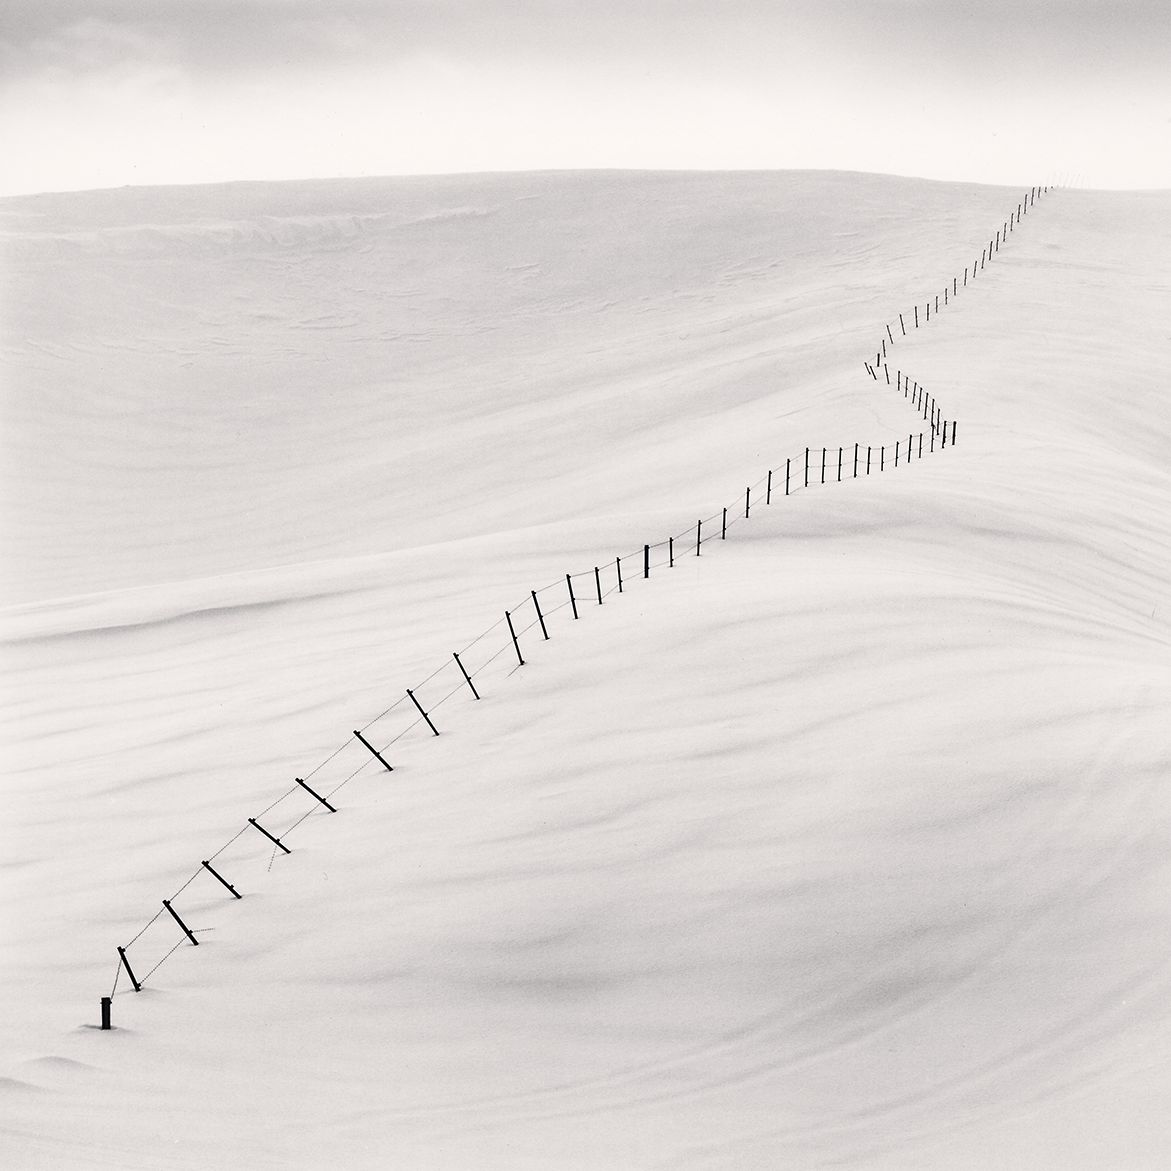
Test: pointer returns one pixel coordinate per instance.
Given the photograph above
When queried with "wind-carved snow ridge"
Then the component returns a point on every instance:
(529, 617)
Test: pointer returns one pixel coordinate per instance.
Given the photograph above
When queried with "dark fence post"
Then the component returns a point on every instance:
(598, 583)
(220, 878)
(371, 748)
(618, 566)
(468, 678)
(646, 561)
(105, 1012)
(515, 640)
(276, 841)
(129, 969)
(420, 706)
(540, 617)
(724, 527)
(311, 793)
(698, 537)
(186, 930)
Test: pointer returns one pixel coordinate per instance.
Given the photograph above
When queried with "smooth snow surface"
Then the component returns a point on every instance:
(843, 844)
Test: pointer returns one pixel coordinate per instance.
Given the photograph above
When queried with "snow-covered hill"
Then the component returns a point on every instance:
(843, 844)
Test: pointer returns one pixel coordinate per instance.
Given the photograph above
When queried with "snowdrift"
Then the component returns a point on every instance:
(842, 843)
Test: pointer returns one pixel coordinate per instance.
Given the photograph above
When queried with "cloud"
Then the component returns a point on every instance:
(100, 92)
(218, 37)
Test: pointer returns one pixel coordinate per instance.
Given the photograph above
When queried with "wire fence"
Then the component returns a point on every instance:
(499, 649)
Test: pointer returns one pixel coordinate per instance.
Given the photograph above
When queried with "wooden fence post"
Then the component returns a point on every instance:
(420, 706)
(540, 619)
(371, 748)
(220, 878)
(186, 930)
(515, 640)
(129, 969)
(312, 793)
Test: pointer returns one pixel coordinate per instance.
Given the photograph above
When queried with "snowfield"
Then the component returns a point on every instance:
(843, 844)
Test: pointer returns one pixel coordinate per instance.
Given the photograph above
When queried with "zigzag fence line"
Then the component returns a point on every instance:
(267, 831)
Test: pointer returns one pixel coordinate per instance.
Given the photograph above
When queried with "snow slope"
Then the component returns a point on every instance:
(842, 844)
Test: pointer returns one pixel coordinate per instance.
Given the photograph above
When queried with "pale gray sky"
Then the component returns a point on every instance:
(107, 92)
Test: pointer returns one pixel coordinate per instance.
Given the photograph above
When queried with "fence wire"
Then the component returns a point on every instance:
(690, 540)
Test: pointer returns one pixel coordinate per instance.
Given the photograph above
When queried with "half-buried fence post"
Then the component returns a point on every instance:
(540, 616)
(515, 641)
(377, 754)
(276, 841)
(463, 671)
(221, 879)
(129, 970)
(419, 706)
(186, 929)
(312, 793)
